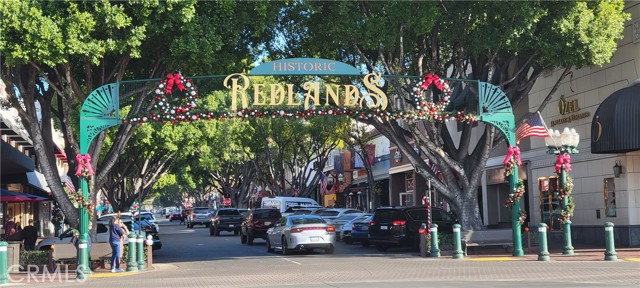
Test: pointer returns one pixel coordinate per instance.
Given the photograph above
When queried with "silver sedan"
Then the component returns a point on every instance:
(301, 232)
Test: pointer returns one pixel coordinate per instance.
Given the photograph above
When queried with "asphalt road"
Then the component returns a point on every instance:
(192, 258)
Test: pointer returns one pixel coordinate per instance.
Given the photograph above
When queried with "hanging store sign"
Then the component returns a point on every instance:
(566, 107)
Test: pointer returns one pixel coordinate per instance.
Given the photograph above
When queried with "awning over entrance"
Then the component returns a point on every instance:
(616, 124)
(11, 196)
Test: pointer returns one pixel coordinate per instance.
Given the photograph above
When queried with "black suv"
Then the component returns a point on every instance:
(257, 223)
(398, 226)
(226, 219)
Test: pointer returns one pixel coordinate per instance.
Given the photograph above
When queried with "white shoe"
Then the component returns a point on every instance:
(114, 270)
(119, 270)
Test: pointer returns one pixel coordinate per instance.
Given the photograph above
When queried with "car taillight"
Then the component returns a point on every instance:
(331, 229)
(372, 222)
(354, 228)
(297, 230)
(399, 223)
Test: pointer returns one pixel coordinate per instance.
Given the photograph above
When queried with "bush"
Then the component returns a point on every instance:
(33, 258)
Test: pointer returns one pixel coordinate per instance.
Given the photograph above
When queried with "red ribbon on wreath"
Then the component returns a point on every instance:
(563, 159)
(513, 151)
(174, 79)
(431, 78)
(84, 161)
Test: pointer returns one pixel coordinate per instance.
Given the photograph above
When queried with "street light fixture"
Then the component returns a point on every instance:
(564, 144)
(617, 169)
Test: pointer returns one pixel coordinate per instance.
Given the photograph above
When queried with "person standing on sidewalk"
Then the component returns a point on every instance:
(30, 235)
(115, 235)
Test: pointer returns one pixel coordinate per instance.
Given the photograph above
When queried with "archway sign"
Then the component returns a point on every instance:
(176, 101)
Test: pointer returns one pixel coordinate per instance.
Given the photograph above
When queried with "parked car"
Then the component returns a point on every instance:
(257, 223)
(198, 216)
(225, 219)
(398, 226)
(339, 222)
(148, 216)
(177, 216)
(346, 225)
(359, 232)
(300, 210)
(329, 214)
(102, 234)
(301, 232)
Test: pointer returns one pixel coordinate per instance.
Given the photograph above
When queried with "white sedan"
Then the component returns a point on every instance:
(301, 232)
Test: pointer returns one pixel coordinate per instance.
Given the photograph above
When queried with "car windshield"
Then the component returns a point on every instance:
(386, 216)
(329, 213)
(419, 214)
(229, 212)
(347, 217)
(266, 214)
(361, 218)
(299, 221)
(201, 210)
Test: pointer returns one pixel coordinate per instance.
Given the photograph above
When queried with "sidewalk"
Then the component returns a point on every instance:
(582, 253)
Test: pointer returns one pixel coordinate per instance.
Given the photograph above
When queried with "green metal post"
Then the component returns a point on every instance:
(610, 253)
(515, 216)
(83, 250)
(566, 224)
(543, 252)
(457, 246)
(435, 252)
(140, 242)
(132, 265)
(4, 277)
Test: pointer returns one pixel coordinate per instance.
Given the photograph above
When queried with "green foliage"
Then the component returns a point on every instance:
(33, 258)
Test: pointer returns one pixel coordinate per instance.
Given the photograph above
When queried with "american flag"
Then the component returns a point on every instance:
(533, 126)
(69, 184)
(323, 184)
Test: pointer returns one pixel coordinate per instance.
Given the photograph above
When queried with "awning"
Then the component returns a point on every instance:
(616, 124)
(11, 196)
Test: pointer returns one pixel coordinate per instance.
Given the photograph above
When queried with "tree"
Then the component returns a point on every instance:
(56, 52)
(503, 43)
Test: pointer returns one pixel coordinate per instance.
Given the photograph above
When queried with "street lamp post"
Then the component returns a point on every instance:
(564, 144)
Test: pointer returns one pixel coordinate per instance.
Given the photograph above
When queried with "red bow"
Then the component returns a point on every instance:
(563, 159)
(514, 151)
(174, 79)
(83, 161)
(431, 78)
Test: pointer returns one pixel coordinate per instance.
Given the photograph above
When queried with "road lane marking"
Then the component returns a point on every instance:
(294, 262)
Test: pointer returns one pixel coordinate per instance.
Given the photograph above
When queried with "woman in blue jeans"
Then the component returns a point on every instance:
(115, 233)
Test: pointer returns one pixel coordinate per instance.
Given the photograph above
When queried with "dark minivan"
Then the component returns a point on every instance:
(257, 223)
(398, 226)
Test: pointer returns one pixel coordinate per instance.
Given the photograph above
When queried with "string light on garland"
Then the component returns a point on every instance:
(514, 198)
(423, 109)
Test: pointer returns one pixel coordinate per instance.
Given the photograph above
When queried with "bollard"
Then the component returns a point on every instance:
(140, 242)
(4, 278)
(132, 265)
(543, 252)
(149, 243)
(422, 233)
(457, 246)
(435, 252)
(610, 252)
(83, 266)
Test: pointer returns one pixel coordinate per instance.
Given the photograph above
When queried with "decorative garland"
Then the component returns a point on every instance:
(567, 210)
(512, 159)
(424, 110)
(78, 200)
(514, 198)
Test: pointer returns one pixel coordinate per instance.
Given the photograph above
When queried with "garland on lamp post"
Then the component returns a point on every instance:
(514, 198)
(565, 191)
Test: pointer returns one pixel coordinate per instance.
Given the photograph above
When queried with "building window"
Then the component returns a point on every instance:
(609, 197)
(550, 206)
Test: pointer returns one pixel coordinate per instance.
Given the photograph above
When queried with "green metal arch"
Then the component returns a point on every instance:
(494, 108)
(99, 111)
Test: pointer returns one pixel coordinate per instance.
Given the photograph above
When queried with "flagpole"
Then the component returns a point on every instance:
(545, 127)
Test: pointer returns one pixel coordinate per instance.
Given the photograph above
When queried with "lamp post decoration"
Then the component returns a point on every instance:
(564, 144)
(514, 199)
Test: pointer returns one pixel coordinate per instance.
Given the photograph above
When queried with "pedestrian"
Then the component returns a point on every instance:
(115, 236)
(30, 235)
(125, 235)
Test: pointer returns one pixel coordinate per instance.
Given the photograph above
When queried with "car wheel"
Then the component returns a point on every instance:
(366, 243)
(243, 239)
(347, 240)
(329, 250)
(269, 248)
(285, 249)
(381, 247)
(249, 238)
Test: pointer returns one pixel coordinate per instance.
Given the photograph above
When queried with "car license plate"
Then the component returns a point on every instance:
(383, 227)
(314, 239)
(230, 225)
(267, 223)
(365, 228)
